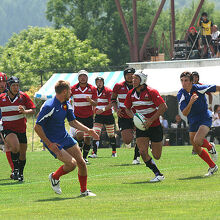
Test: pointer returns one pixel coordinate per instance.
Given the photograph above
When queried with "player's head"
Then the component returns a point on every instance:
(195, 77)
(186, 79)
(62, 89)
(83, 76)
(99, 81)
(128, 73)
(139, 78)
(3, 80)
(13, 85)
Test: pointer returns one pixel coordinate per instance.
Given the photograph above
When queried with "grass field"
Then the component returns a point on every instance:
(123, 190)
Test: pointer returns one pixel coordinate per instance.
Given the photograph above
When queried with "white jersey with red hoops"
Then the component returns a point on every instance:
(121, 90)
(104, 98)
(146, 103)
(82, 107)
(11, 118)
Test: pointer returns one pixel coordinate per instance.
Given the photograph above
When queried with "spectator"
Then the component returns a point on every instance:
(215, 123)
(163, 122)
(216, 127)
(206, 26)
(193, 40)
(216, 38)
(178, 136)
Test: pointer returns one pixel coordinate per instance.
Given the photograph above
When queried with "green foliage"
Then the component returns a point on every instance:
(42, 51)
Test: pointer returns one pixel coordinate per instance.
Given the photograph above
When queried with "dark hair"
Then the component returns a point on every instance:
(61, 85)
(216, 107)
(129, 70)
(99, 78)
(187, 74)
(195, 74)
(204, 14)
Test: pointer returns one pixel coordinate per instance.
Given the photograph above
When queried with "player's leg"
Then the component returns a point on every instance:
(110, 129)
(95, 143)
(198, 143)
(143, 145)
(13, 142)
(69, 165)
(82, 170)
(80, 138)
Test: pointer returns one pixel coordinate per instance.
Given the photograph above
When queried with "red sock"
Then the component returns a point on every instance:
(205, 156)
(8, 155)
(57, 174)
(83, 182)
(206, 144)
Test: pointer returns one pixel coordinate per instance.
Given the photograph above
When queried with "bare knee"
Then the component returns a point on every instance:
(81, 163)
(156, 156)
(198, 141)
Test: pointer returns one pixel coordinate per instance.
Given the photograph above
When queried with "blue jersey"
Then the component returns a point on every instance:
(199, 110)
(52, 119)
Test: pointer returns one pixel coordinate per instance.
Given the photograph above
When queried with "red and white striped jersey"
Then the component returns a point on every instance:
(83, 108)
(121, 90)
(11, 118)
(146, 103)
(104, 98)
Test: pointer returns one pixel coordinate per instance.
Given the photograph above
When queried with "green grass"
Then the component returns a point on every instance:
(123, 190)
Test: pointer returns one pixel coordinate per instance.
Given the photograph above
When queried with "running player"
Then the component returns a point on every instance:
(104, 116)
(147, 101)
(14, 106)
(84, 98)
(125, 123)
(3, 80)
(50, 127)
(193, 104)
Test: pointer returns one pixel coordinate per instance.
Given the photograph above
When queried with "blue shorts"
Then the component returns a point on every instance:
(195, 126)
(66, 143)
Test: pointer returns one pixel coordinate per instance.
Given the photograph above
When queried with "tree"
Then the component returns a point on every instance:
(37, 51)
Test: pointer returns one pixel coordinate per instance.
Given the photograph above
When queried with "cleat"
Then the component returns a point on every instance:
(136, 161)
(211, 171)
(14, 175)
(87, 193)
(193, 152)
(157, 178)
(87, 162)
(55, 184)
(11, 176)
(20, 178)
(213, 153)
(93, 156)
(114, 154)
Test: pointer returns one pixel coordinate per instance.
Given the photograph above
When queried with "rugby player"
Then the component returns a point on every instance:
(104, 116)
(14, 105)
(147, 101)
(50, 127)
(193, 104)
(125, 123)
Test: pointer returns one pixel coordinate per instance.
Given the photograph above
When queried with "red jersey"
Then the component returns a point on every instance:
(83, 108)
(104, 98)
(11, 118)
(146, 103)
(121, 89)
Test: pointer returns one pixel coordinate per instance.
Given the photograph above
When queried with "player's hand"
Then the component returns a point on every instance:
(147, 123)
(92, 133)
(54, 148)
(99, 111)
(193, 98)
(119, 113)
(21, 109)
(88, 99)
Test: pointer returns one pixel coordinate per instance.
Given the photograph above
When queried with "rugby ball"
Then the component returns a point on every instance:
(139, 120)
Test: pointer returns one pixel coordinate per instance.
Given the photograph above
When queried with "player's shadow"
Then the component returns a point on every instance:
(141, 182)
(10, 183)
(192, 178)
(125, 165)
(58, 199)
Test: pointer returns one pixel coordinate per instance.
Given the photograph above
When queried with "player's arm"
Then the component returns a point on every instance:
(76, 124)
(218, 88)
(106, 108)
(187, 109)
(161, 109)
(52, 146)
(91, 101)
(210, 100)
(128, 105)
(115, 104)
(22, 110)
